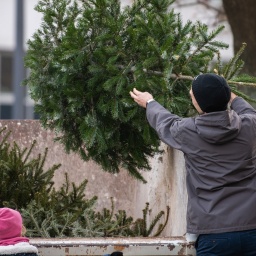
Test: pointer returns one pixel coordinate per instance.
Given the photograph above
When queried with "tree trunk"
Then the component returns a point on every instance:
(242, 19)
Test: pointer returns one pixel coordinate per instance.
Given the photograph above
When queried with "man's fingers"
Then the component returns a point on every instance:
(135, 97)
(132, 95)
(140, 97)
(135, 91)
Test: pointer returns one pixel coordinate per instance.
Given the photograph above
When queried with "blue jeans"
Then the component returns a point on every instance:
(241, 243)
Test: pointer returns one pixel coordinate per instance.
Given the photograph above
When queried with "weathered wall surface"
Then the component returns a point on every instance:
(165, 182)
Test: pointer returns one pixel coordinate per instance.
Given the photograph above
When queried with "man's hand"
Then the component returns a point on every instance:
(141, 97)
(232, 97)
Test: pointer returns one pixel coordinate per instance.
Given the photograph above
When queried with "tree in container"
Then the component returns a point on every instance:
(22, 177)
(66, 212)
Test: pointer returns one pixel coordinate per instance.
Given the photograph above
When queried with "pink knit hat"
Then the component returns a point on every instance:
(10, 223)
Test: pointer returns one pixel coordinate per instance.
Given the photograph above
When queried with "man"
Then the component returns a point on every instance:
(219, 148)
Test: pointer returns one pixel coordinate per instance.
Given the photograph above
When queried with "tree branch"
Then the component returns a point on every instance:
(184, 77)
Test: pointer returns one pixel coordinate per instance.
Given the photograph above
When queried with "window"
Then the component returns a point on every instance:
(7, 97)
(5, 111)
(6, 63)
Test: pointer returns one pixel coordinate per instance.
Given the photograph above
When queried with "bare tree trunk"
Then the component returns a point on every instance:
(242, 19)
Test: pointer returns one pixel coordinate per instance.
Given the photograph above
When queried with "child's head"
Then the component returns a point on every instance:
(10, 223)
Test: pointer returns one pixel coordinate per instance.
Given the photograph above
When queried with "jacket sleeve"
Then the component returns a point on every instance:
(240, 106)
(166, 124)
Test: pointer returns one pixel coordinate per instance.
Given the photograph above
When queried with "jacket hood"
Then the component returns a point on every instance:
(218, 127)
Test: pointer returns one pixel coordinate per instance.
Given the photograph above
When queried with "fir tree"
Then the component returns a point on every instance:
(22, 177)
(45, 221)
(25, 185)
(88, 55)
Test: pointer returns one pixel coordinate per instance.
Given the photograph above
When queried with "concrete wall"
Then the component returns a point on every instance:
(165, 182)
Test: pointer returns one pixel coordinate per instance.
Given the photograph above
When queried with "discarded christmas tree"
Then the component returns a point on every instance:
(65, 212)
(22, 178)
(88, 55)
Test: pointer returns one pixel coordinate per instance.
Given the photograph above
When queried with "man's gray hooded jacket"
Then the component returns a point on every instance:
(220, 157)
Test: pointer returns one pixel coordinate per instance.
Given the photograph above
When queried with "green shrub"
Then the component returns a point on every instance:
(65, 212)
(21, 177)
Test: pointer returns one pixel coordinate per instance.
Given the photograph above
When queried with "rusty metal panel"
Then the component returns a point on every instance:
(100, 246)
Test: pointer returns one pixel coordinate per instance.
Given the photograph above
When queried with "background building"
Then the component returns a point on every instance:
(18, 21)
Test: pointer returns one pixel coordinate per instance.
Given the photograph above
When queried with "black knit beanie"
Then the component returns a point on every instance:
(211, 92)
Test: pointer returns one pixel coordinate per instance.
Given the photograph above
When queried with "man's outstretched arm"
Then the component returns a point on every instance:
(240, 106)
